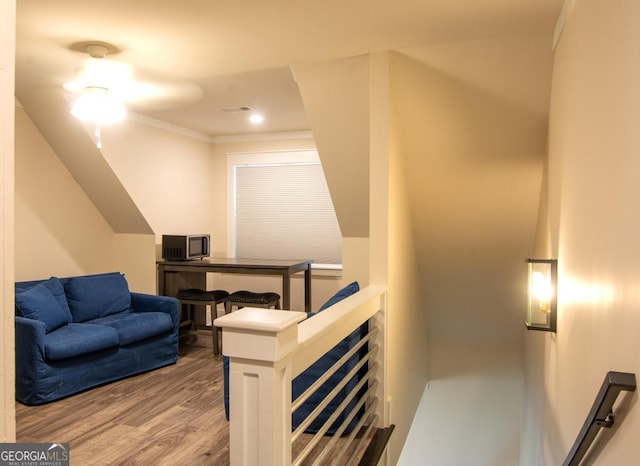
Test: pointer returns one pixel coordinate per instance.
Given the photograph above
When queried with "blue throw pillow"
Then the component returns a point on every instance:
(345, 292)
(57, 290)
(38, 303)
(94, 296)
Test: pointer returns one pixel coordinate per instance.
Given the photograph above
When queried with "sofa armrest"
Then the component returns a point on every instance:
(141, 302)
(29, 346)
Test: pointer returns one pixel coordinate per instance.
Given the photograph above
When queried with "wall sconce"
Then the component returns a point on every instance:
(543, 285)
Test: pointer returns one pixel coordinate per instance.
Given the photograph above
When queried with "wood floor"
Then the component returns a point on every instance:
(169, 416)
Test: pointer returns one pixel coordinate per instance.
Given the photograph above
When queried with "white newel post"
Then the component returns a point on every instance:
(259, 343)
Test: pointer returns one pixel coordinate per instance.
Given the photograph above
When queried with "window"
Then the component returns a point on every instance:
(280, 208)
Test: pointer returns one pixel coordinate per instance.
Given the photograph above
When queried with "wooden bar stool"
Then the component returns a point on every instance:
(195, 297)
(245, 298)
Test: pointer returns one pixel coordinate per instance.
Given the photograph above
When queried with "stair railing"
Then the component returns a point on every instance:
(267, 349)
(601, 414)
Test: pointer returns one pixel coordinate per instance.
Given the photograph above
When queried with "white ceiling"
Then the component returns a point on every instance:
(205, 55)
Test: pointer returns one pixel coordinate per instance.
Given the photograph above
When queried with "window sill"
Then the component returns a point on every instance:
(326, 270)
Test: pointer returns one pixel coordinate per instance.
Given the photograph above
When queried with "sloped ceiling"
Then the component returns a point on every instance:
(336, 96)
(474, 132)
(77, 150)
(203, 56)
(208, 55)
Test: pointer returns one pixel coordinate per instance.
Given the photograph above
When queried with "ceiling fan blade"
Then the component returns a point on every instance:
(161, 95)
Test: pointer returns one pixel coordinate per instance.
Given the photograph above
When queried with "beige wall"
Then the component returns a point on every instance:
(472, 152)
(7, 75)
(73, 142)
(455, 165)
(219, 151)
(388, 255)
(177, 182)
(355, 260)
(477, 169)
(593, 230)
(171, 177)
(135, 257)
(324, 284)
(407, 331)
(336, 99)
(58, 230)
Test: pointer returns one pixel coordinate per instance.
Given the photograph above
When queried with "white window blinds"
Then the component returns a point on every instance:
(284, 211)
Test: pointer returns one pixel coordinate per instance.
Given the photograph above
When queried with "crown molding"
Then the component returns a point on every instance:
(145, 120)
(252, 137)
(246, 137)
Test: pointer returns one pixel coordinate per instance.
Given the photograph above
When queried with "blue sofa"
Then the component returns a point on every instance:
(79, 332)
(313, 372)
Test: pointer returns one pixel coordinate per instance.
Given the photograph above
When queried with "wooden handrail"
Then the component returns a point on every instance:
(376, 448)
(601, 414)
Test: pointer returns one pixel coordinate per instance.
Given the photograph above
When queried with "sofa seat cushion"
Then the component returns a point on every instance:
(78, 339)
(133, 327)
(39, 303)
(94, 296)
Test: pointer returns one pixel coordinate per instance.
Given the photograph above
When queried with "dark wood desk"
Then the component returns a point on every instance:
(176, 275)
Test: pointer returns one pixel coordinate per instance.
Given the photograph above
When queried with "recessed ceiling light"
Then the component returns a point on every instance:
(256, 118)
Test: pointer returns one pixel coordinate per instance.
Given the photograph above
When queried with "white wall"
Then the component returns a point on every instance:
(593, 230)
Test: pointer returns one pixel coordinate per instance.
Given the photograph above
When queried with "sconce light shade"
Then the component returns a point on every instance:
(543, 286)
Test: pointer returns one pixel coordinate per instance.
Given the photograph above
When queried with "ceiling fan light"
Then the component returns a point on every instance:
(96, 104)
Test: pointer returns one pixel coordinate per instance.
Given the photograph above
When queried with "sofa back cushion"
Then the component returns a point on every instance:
(94, 296)
(341, 294)
(39, 303)
(54, 285)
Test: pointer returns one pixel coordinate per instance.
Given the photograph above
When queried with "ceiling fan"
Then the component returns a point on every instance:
(105, 87)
